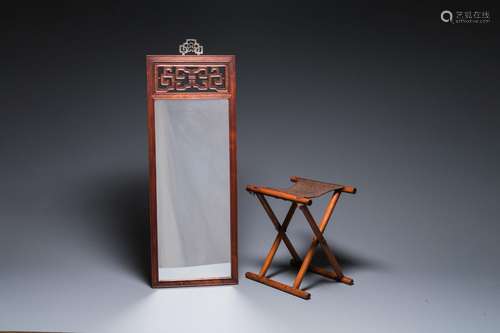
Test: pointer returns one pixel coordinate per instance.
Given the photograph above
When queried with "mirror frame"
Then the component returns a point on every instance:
(171, 89)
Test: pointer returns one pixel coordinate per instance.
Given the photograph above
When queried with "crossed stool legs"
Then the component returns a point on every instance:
(300, 195)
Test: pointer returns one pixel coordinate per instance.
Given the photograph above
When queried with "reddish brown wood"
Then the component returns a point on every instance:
(323, 272)
(190, 77)
(281, 234)
(322, 242)
(228, 93)
(299, 195)
(278, 285)
(278, 194)
(192, 96)
(310, 252)
(280, 228)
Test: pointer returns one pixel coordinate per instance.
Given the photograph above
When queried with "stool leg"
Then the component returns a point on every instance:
(322, 242)
(305, 265)
(319, 239)
(318, 270)
(267, 262)
(280, 229)
(277, 241)
(310, 252)
(339, 276)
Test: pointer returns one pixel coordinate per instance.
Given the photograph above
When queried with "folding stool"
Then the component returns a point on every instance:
(301, 194)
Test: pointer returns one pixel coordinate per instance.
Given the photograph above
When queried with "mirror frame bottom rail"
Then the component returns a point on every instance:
(195, 283)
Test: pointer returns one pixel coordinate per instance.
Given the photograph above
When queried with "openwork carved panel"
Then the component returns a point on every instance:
(190, 78)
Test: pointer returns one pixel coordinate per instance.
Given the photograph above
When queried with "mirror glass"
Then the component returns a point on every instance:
(193, 189)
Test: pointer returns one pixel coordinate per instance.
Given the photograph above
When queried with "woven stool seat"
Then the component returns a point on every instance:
(302, 190)
(308, 188)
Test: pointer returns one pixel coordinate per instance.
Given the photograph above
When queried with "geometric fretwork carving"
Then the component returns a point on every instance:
(196, 78)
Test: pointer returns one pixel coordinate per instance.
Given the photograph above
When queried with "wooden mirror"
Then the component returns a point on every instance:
(192, 167)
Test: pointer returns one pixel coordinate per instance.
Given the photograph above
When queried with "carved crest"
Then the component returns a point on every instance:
(191, 45)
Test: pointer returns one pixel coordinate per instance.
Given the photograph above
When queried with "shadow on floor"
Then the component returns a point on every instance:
(119, 224)
(350, 263)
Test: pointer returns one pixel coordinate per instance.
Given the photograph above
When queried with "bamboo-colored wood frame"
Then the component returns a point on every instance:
(230, 94)
(303, 265)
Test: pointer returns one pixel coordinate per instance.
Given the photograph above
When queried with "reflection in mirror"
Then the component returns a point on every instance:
(193, 191)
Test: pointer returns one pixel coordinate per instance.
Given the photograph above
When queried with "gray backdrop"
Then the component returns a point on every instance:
(385, 97)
